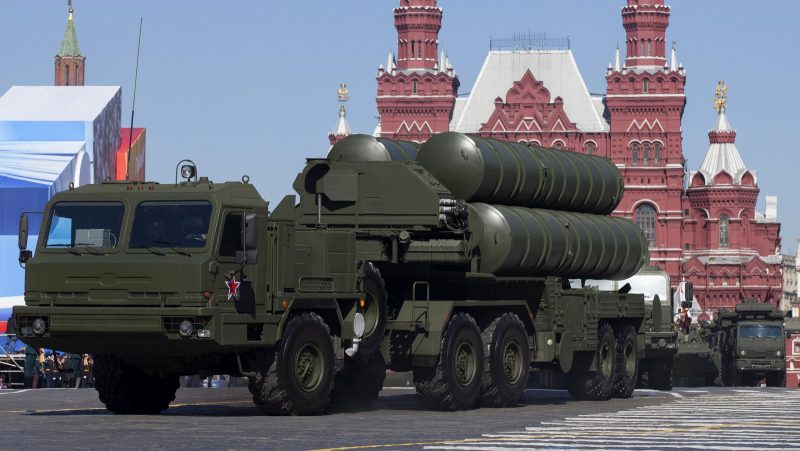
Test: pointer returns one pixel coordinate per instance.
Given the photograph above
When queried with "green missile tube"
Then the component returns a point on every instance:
(518, 241)
(498, 172)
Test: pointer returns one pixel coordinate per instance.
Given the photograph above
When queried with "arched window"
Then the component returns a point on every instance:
(645, 86)
(635, 153)
(723, 231)
(419, 50)
(413, 49)
(66, 71)
(414, 87)
(558, 145)
(657, 153)
(591, 148)
(646, 220)
(646, 153)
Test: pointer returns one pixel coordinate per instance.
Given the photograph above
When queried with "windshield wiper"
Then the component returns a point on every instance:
(174, 247)
(154, 250)
(66, 247)
(90, 247)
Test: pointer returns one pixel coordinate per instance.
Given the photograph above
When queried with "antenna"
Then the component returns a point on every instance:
(133, 105)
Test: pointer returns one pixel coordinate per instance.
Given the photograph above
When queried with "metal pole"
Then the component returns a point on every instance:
(133, 105)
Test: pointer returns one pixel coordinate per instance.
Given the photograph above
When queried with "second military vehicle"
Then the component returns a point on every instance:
(450, 260)
(751, 344)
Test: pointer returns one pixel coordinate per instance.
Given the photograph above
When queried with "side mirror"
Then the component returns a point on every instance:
(24, 256)
(22, 236)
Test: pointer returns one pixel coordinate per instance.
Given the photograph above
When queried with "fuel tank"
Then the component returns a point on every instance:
(519, 241)
(507, 173)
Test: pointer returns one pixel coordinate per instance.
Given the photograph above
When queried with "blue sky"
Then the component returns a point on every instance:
(249, 87)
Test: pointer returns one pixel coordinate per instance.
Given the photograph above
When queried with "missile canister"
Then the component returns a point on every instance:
(499, 172)
(364, 148)
(518, 241)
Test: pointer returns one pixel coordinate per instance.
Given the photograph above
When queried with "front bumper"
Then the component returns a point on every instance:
(760, 365)
(658, 344)
(118, 330)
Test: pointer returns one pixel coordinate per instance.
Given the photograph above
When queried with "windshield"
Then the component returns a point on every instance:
(94, 224)
(170, 224)
(760, 331)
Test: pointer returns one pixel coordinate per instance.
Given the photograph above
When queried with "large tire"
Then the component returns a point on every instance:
(358, 384)
(374, 311)
(507, 362)
(455, 382)
(659, 372)
(777, 379)
(597, 385)
(729, 377)
(297, 378)
(627, 361)
(127, 390)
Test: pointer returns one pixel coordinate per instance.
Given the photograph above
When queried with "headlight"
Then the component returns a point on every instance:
(39, 326)
(778, 353)
(188, 171)
(186, 328)
(743, 352)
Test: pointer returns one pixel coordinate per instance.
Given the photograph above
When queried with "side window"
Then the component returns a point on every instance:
(231, 240)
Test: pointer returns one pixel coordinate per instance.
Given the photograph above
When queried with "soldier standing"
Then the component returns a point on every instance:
(30, 366)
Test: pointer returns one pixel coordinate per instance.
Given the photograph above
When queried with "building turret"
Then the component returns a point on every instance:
(730, 250)
(69, 62)
(417, 90)
(645, 23)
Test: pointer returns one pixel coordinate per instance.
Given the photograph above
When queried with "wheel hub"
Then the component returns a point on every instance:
(308, 367)
(511, 363)
(465, 364)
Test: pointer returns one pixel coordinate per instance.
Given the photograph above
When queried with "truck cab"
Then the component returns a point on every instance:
(752, 345)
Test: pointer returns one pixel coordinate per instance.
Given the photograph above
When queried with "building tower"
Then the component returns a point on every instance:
(342, 128)
(69, 64)
(417, 90)
(645, 102)
(732, 252)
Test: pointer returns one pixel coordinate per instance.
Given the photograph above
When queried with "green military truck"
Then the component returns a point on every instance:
(657, 358)
(450, 260)
(751, 345)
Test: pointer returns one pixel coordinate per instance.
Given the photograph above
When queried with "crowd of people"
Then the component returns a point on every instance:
(53, 370)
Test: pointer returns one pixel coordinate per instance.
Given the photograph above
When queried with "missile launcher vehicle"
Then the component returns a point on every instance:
(381, 260)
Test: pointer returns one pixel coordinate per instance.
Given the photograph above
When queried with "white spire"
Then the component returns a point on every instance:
(342, 126)
(673, 63)
(617, 63)
(390, 63)
(442, 61)
(722, 154)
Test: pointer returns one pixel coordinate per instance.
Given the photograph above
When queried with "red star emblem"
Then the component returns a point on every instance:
(233, 288)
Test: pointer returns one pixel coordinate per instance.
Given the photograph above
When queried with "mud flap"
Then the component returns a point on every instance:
(566, 352)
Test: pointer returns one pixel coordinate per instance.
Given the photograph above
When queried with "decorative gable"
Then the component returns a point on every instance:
(528, 108)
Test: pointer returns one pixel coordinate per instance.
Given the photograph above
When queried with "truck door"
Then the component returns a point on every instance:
(237, 283)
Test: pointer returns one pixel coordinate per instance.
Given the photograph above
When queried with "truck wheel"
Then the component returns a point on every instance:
(627, 362)
(374, 310)
(597, 385)
(455, 382)
(777, 379)
(507, 361)
(297, 380)
(358, 384)
(660, 372)
(125, 389)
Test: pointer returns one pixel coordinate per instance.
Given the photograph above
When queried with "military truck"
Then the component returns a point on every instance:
(449, 259)
(752, 345)
(698, 360)
(660, 340)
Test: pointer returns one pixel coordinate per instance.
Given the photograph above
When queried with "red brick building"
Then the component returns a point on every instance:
(538, 96)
